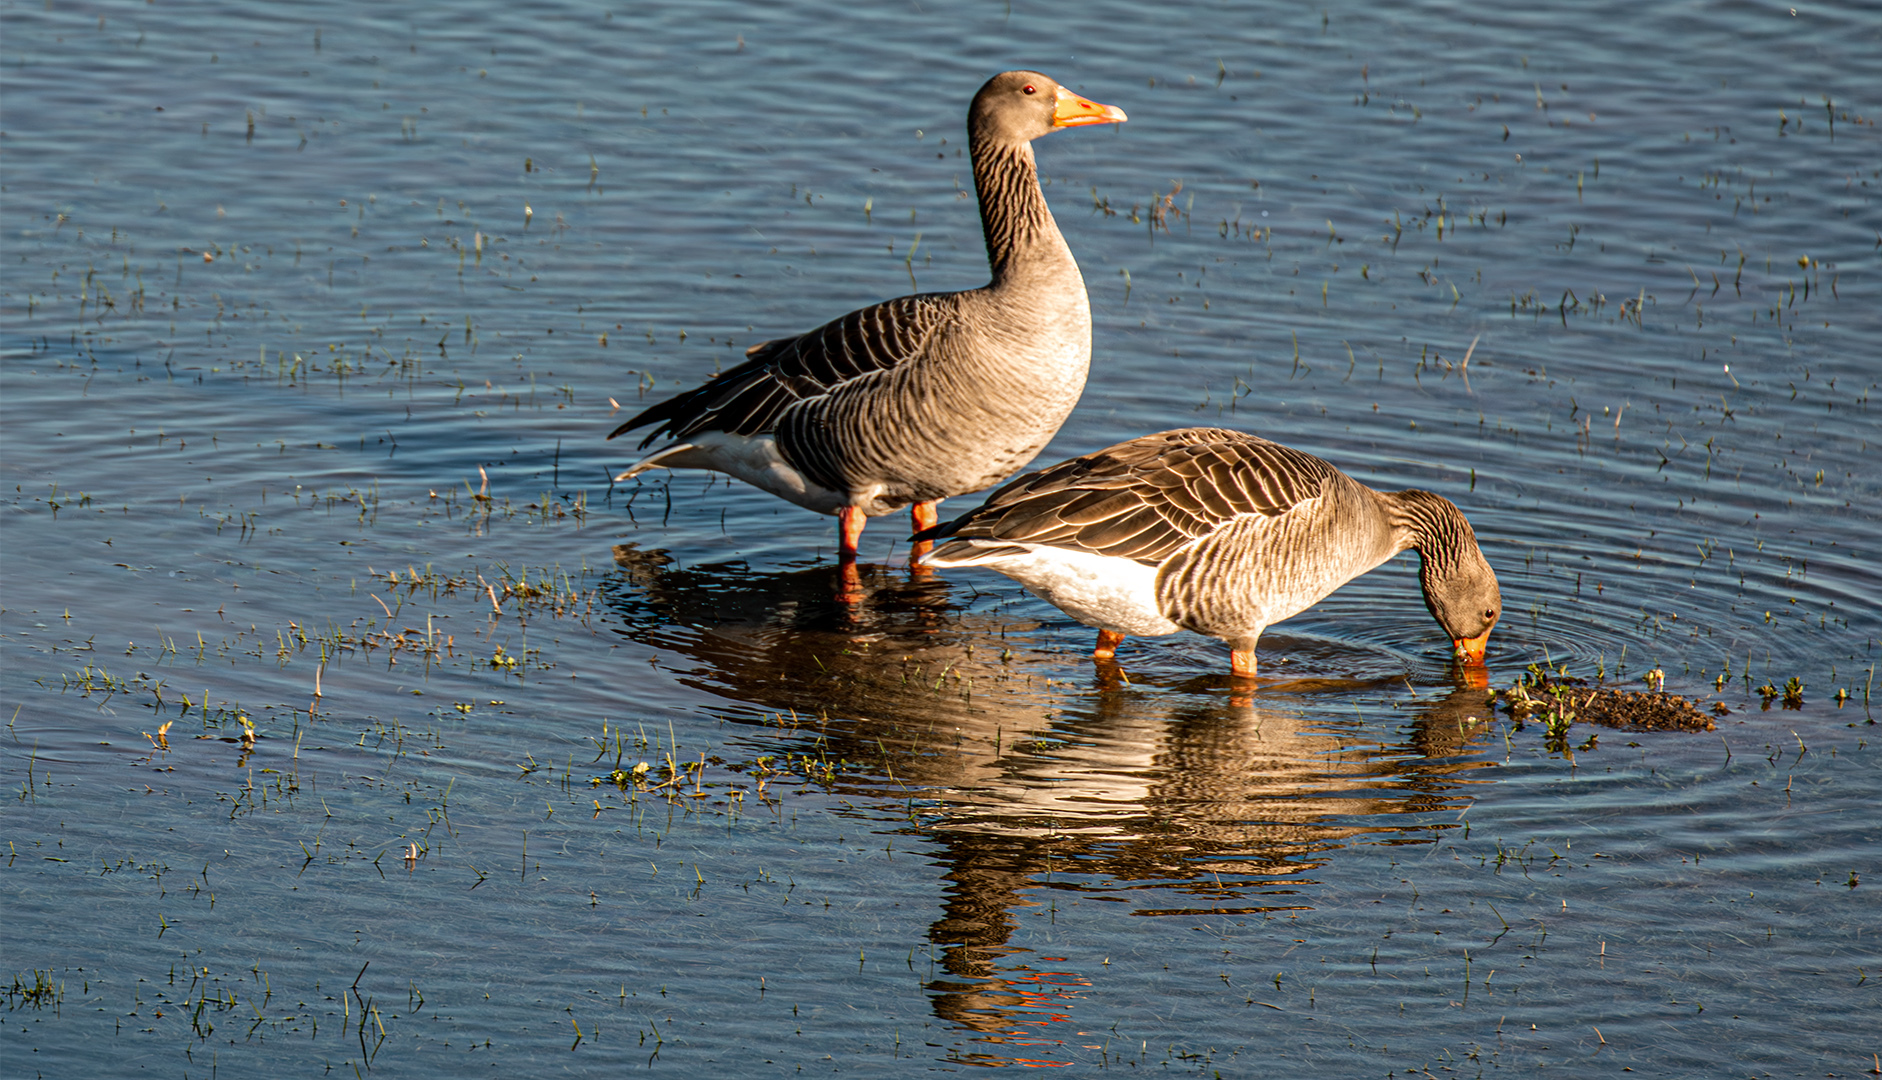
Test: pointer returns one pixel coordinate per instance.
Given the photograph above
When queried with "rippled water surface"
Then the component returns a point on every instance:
(314, 320)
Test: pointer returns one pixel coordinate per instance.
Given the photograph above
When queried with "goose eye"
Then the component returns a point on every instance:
(1030, 89)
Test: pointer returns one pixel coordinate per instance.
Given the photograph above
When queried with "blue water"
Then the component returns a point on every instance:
(285, 292)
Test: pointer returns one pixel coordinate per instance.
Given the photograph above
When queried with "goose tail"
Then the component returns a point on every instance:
(970, 552)
(655, 460)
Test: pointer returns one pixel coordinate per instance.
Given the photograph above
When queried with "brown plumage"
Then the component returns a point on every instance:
(1219, 532)
(919, 398)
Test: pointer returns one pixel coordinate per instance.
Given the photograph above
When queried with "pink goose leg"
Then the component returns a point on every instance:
(849, 532)
(924, 515)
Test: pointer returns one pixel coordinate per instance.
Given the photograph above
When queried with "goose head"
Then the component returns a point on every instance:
(1017, 107)
(1462, 594)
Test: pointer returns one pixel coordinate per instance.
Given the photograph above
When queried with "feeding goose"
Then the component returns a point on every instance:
(1218, 532)
(912, 400)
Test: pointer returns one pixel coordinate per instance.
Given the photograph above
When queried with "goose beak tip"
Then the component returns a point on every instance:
(1471, 650)
(1074, 111)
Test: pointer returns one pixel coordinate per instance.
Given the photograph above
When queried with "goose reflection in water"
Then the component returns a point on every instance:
(1178, 794)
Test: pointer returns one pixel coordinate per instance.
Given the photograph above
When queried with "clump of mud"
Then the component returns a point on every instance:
(1559, 700)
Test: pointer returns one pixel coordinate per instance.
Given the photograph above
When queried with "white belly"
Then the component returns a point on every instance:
(751, 458)
(1108, 593)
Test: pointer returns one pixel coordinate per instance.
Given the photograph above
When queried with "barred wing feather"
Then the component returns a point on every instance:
(748, 399)
(1144, 499)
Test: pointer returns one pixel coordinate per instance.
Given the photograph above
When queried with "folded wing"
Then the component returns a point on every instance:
(748, 399)
(1143, 499)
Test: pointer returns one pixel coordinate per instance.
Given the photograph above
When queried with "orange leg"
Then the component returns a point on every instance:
(849, 531)
(1242, 663)
(924, 515)
(1108, 641)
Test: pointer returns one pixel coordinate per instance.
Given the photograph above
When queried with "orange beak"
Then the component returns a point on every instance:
(1074, 111)
(1470, 650)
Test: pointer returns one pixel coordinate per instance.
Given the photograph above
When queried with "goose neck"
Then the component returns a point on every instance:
(1018, 224)
(1431, 524)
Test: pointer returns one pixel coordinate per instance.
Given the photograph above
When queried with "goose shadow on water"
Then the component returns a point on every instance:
(1175, 793)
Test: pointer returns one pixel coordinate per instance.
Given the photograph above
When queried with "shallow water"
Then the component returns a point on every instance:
(920, 830)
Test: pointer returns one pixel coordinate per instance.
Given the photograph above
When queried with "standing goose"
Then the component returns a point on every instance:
(914, 399)
(1218, 532)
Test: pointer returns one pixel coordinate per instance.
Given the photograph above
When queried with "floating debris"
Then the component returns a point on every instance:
(1559, 700)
